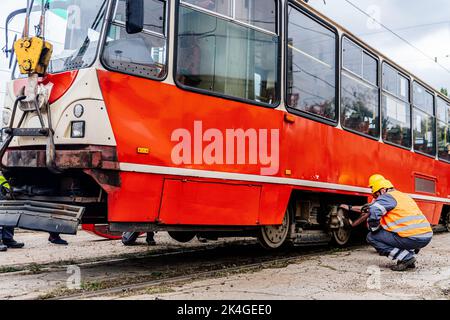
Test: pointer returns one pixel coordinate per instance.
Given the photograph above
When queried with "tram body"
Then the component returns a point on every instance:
(151, 148)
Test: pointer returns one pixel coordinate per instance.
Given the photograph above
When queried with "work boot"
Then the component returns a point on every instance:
(150, 240)
(404, 265)
(129, 238)
(13, 244)
(416, 251)
(3, 247)
(56, 239)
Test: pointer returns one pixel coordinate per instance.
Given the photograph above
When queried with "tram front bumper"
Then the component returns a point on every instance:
(40, 216)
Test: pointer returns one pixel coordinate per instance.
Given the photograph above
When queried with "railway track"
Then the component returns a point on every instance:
(219, 268)
(160, 253)
(131, 274)
(236, 257)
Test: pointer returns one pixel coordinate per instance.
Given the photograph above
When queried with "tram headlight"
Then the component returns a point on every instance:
(78, 110)
(77, 129)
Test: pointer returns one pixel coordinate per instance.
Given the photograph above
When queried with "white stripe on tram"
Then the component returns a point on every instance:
(134, 167)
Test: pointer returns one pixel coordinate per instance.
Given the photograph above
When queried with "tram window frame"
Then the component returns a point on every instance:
(398, 98)
(277, 34)
(445, 122)
(222, 14)
(420, 109)
(308, 115)
(352, 76)
(112, 22)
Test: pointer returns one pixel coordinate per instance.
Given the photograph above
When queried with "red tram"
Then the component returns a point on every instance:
(224, 117)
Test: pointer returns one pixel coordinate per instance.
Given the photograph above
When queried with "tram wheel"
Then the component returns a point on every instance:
(182, 236)
(341, 236)
(273, 237)
(447, 221)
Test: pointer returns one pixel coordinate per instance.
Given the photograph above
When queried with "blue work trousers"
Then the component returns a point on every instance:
(6, 233)
(391, 245)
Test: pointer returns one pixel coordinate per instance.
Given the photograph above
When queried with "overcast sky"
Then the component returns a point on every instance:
(423, 23)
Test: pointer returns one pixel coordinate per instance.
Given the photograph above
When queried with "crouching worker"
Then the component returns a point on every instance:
(398, 228)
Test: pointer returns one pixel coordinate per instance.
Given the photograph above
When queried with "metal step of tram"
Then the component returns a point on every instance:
(40, 216)
(27, 132)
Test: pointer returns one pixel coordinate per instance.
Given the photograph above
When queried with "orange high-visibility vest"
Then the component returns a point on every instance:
(406, 219)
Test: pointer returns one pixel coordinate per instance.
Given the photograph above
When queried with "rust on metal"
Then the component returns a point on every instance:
(86, 158)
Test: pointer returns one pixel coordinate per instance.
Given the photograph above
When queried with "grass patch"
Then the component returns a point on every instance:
(35, 268)
(92, 286)
(159, 290)
(9, 269)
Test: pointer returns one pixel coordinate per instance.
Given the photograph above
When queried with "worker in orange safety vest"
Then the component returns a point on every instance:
(398, 228)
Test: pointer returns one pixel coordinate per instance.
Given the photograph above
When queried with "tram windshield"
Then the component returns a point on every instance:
(73, 27)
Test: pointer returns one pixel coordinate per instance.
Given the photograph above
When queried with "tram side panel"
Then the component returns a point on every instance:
(148, 114)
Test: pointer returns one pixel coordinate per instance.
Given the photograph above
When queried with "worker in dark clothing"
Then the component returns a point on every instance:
(7, 239)
(129, 238)
(7, 233)
(55, 238)
(398, 228)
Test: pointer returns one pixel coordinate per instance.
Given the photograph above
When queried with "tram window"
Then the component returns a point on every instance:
(444, 141)
(261, 14)
(153, 15)
(395, 83)
(352, 57)
(443, 111)
(390, 79)
(223, 7)
(403, 88)
(423, 120)
(424, 132)
(396, 121)
(225, 57)
(142, 54)
(311, 66)
(395, 108)
(370, 69)
(359, 91)
(359, 106)
(443, 129)
(423, 99)
(359, 62)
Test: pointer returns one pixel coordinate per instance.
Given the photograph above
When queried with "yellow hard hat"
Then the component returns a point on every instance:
(378, 182)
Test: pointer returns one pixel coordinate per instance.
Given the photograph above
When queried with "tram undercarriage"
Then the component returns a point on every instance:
(58, 202)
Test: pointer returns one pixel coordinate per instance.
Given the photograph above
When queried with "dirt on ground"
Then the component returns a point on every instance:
(356, 274)
(84, 246)
(41, 269)
(338, 274)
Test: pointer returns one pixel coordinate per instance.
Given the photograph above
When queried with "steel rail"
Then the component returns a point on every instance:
(136, 287)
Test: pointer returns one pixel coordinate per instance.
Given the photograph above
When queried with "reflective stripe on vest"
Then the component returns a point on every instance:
(406, 219)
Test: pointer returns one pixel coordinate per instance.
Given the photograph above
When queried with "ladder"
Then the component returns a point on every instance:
(43, 131)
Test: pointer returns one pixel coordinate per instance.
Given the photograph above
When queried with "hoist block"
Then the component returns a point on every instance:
(33, 55)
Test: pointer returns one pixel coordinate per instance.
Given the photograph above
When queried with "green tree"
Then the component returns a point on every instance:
(444, 91)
